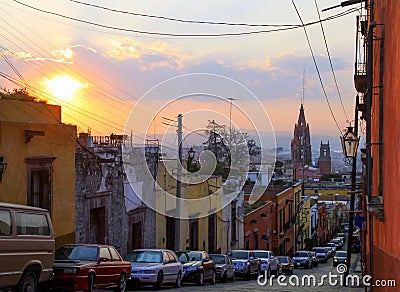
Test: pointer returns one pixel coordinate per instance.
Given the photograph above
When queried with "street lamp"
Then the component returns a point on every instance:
(349, 143)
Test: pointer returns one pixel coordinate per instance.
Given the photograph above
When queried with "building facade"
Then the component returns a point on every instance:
(39, 151)
(379, 105)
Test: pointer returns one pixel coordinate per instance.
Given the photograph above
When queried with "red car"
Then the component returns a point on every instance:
(89, 266)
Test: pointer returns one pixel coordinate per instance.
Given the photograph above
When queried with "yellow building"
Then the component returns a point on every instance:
(205, 231)
(40, 154)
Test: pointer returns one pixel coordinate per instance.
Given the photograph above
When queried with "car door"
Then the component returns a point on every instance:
(116, 268)
(273, 261)
(230, 267)
(104, 268)
(253, 262)
(206, 262)
(173, 266)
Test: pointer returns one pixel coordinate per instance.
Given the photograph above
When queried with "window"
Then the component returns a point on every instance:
(233, 221)
(5, 223)
(39, 193)
(281, 220)
(172, 258)
(114, 254)
(32, 224)
(255, 240)
(105, 253)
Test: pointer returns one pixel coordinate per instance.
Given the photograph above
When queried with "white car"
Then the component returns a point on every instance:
(155, 266)
(269, 262)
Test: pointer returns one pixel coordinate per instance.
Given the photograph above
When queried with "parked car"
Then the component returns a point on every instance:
(285, 265)
(314, 258)
(321, 253)
(333, 246)
(340, 258)
(302, 258)
(155, 266)
(269, 262)
(198, 267)
(329, 251)
(27, 247)
(246, 264)
(337, 242)
(224, 267)
(341, 234)
(89, 266)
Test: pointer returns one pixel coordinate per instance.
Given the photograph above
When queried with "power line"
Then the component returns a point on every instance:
(182, 20)
(253, 32)
(316, 67)
(330, 61)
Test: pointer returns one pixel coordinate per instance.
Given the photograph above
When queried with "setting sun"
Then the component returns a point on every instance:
(63, 87)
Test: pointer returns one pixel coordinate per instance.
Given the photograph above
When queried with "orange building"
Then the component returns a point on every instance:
(271, 226)
(380, 107)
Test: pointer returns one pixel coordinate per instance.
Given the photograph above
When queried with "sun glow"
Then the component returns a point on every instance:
(63, 87)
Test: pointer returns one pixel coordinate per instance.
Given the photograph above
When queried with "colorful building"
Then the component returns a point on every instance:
(40, 154)
(379, 105)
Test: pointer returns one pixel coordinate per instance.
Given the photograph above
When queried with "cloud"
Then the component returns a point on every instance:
(151, 55)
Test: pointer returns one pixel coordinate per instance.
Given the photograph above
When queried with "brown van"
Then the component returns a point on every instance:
(26, 247)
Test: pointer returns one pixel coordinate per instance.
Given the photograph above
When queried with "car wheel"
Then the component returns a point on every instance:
(160, 278)
(121, 284)
(224, 277)
(28, 282)
(178, 281)
(200, 282)
(213, 278)
(90, 283)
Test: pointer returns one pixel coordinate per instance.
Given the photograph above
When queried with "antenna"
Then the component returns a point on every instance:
(304, 77)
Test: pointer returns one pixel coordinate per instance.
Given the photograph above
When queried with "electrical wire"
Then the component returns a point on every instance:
(182, 20)
(330, 61)
(252, 32)
(316, 67)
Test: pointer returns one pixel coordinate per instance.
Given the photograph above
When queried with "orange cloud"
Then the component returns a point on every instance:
(150, 55)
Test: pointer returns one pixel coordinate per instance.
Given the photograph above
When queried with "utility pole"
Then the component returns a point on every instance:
(352, 194)
(178, 187)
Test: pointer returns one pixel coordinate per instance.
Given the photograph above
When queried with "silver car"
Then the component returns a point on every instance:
(155, 266)
(224, 267)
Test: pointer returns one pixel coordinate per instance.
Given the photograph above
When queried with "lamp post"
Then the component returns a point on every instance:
(350, 144)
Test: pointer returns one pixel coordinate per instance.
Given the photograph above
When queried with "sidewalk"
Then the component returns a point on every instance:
(356, 263)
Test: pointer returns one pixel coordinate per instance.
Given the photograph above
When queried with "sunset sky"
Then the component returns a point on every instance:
(97, 73)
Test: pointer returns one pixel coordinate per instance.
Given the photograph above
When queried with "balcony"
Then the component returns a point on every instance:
(375, 208)
(360, 82)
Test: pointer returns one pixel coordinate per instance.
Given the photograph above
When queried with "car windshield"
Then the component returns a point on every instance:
(77, 252)
(194, 256)
(301, 254)
(261, 254)
(218, 259)
(331, 244)
(240, 255)
(143, 256)
(283, 259)
(319, 250)
(341, 254)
